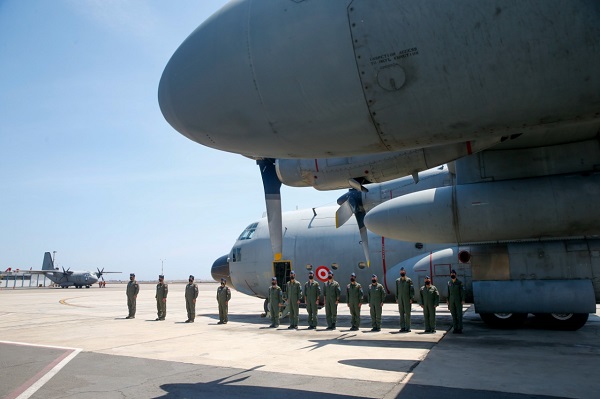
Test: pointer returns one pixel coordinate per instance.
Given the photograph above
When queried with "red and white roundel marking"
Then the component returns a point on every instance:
(322, 273)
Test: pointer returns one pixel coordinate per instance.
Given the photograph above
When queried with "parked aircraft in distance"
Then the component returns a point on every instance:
(65, 278)
(311, 240)
(342, 93)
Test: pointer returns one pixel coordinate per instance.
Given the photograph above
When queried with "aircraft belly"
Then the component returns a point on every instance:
(235, 84)
(549, 207)
(456, 72)
(343, 78)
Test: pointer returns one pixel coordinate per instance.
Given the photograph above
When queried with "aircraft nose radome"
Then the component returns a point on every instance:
(269, 78)
(220, 269)
(207, 75)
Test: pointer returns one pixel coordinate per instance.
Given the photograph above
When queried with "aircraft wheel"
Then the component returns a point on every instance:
(87, 286)
(565, 321)
(266, 306)
(503, 320)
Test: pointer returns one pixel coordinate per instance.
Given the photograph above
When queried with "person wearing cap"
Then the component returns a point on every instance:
(332, 298)
(354, 295)
(133, 288)
(275, 300)
(223, 297)
(312, 295)
(405, 294)
(191, 293)
(456, 300)
(293, 295)
(376, 296)
(162, 289)
(430, 299)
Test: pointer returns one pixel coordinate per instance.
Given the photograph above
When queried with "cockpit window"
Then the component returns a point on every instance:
(248, 232)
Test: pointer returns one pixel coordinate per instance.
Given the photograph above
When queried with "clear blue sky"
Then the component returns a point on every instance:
(88, 166)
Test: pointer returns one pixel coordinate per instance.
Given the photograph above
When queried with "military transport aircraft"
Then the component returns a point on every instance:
(344, 93)
(67, 278)
(312, 240)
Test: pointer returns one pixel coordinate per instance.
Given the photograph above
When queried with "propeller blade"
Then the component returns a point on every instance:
(355, 184)
(364, 238)
(352, 203)
(342, 215)
(272, 188)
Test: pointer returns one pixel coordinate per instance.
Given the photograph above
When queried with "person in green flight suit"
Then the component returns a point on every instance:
(312, 294)
(376, 296)
(332, 298)
(430, 299)
(133, 288)
(191, 293)
(354, 295)
(223, 297)
(293, 295)
(162, 289)
(405, 294)
(275, 301)
(456, 300)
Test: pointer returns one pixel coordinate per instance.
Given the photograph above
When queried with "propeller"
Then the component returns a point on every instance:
(65, 274)
(272, 187)
(99, 273)
(352, 203)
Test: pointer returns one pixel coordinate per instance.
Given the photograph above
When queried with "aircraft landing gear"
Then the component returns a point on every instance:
(503, 320)
(564, 321)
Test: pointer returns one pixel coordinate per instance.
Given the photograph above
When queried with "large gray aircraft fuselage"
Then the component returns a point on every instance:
(320, 79)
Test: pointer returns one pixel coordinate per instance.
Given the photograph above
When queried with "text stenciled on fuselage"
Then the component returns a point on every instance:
(393, 56)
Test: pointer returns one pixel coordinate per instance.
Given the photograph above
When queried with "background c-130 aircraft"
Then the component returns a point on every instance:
(67, 278)
(312, 240)
(343, 93)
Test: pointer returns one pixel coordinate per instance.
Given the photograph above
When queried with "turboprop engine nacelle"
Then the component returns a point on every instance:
(549, 207)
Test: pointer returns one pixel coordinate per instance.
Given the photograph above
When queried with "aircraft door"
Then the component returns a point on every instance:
(282, 271)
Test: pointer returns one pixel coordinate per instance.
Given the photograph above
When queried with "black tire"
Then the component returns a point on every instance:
(266, 306)
(503, 320)
(564, 321)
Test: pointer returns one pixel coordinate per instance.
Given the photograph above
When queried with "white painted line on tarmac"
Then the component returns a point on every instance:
(32, 385)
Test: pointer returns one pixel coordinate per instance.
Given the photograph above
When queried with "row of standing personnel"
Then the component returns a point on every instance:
(405, 294)
(191, 294)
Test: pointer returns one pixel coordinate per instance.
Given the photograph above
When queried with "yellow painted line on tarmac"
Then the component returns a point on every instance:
(64, 302)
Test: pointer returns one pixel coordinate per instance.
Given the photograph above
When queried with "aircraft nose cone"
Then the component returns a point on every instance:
(220, 269)
(269, 79)
(205, 87)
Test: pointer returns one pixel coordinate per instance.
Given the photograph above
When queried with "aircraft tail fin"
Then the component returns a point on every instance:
(48, 264)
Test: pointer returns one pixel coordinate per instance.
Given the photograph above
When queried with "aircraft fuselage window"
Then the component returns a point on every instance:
(248, 232)
(236, 254)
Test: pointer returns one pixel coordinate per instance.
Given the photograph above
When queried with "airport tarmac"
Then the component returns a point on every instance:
(61, 343)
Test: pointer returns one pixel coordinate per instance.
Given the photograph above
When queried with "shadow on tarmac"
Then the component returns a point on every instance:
(229, 387)
(416, 391)
(346, 340)
(395, 365)
(343, 321)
